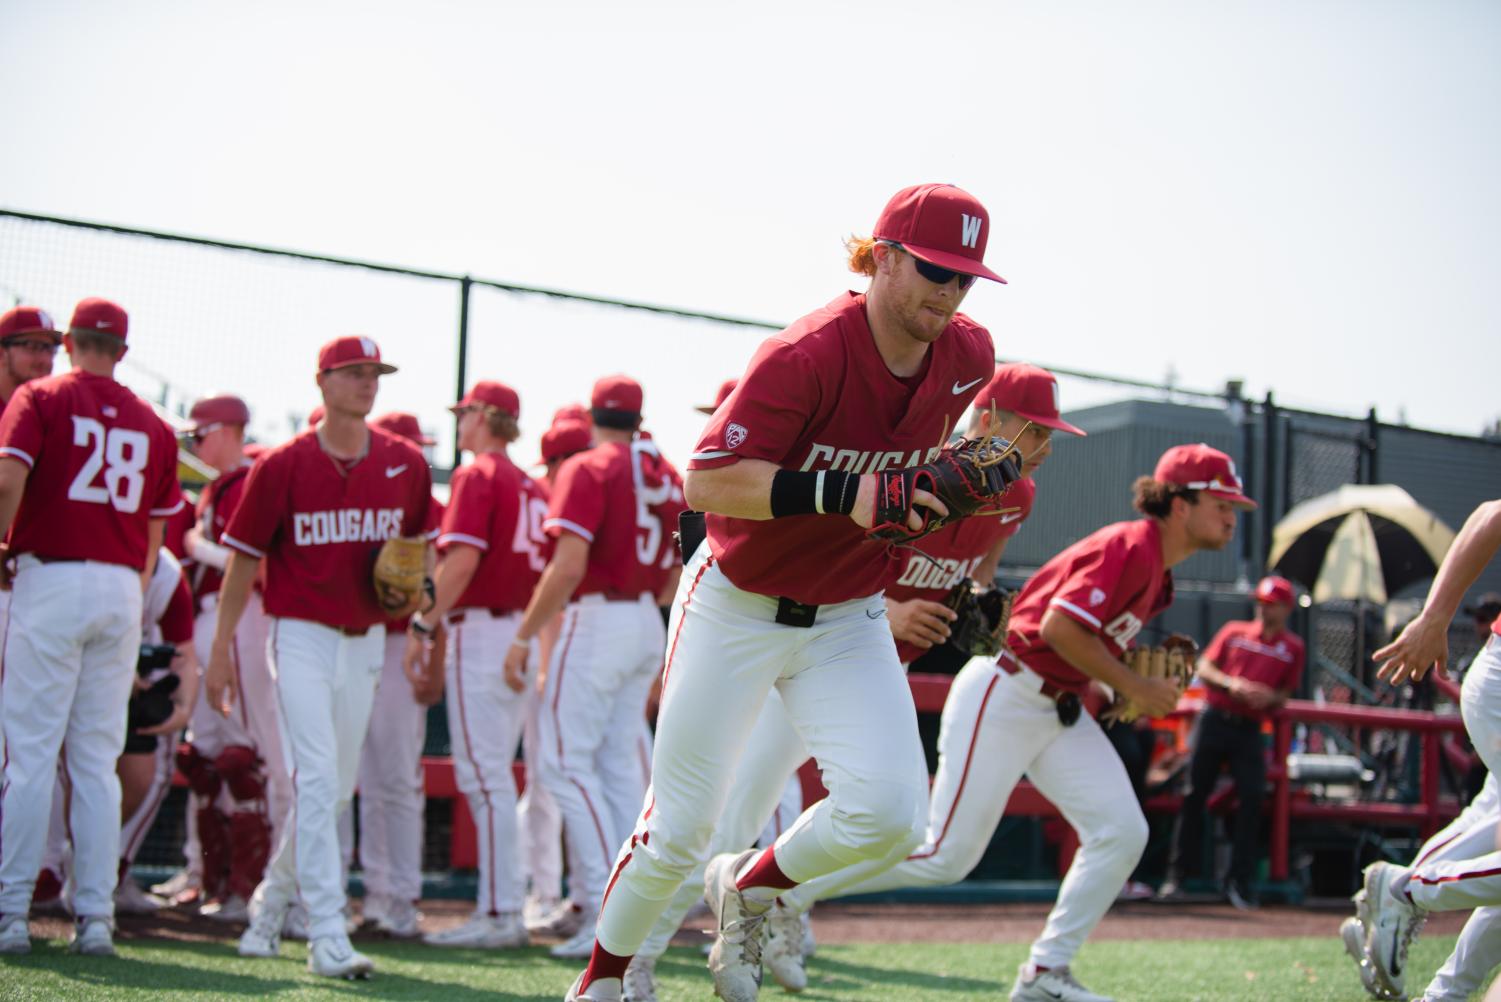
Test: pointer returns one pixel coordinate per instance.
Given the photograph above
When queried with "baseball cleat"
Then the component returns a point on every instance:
(93, 937)
(230, 909)
(640, 980)
(563, 919)
(263, 937)
(175, 885)
(735, 957)
(1394, 924)
(1353, 935)
(15, 935)
(398, 919)
(294, 924)
(483, 932)
(783, 948)
(1056, 984)
(603, 990)
(334, 957)
(130, 899)
(578, 947)
(810, 944)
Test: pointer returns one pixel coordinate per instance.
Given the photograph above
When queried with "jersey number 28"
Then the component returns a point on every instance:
(121, 454)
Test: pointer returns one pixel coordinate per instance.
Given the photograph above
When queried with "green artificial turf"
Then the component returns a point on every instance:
(1218, 970)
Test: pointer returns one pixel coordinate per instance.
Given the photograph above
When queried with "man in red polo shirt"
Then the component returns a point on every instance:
(613, 507)
(316, 511)
(88, 477)
(1250, 668)
(490, 547)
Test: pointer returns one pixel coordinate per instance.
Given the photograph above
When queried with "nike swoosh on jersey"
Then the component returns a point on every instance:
(960, 389)
(392, 471)
(874, 615)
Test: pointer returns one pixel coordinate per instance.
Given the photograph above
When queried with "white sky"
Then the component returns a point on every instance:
(1300, 194)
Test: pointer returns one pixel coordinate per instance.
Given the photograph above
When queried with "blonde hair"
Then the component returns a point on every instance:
(862, 255)
(501, 425)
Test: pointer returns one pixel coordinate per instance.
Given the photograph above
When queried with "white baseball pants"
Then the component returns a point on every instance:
(69, 661)
(392, 795)
(773, 749)
(847, 698)
(593, 712)
(995, 728)
(325, 686)
(539, 822)
(133, 832)
(485, 720)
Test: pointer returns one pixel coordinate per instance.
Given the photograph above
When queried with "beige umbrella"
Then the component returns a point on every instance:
(1360, 542)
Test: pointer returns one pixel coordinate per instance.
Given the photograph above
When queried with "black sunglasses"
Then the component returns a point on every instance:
(933, 273)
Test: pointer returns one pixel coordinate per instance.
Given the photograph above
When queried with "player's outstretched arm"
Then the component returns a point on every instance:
(451, 575)
(13, 474)
(745, 489)
(1088, 653)
(1425, 641)
(570, 561)
(234, 594)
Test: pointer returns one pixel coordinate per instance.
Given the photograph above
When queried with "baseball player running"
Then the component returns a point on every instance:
(315, 510)
(612, 508)
(88, 475)
(1025, 400)
(235, 765)
(490, 548)
(392, 796)
(1460, 868)
(785, 592)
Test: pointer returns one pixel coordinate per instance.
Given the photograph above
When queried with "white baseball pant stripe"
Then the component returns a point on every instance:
(773, 749)
(72, 643)
(392, 795)
(995, 728)
(539, 823)
(485, 720)
(138, 825)
(848, 700)
(594, 703)
(325, 685)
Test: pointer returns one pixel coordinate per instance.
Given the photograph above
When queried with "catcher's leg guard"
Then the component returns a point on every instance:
(213, 835)
(203, 779)
(250, 836)
(243, 772)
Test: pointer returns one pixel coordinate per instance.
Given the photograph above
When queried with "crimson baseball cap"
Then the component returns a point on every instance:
(571, 412)
(354, 349)
(565, 438)
(941, 224)
(28, 320)
(1203, 468)
(95, 314)
(405, 425)
(725, 389)
(1027, 391)
(489, 393)
(1275, 590)
(223, 409)
(616, 393)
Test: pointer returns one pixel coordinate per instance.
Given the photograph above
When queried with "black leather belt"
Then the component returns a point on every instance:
(1065, 702)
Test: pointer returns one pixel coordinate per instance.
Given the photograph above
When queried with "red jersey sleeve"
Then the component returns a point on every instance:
(471, 507)
(21, 428)
(167, 496)
(578, 501)
(177, 621)
(1086, 591)
(263, 504)
(766, 413)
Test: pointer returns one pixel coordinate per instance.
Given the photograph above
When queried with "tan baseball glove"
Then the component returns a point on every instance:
(1173, 661)
(400, 569)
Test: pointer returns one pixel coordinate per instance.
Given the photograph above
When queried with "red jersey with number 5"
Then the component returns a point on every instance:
(818, 396)
(623, 500)
(102, 466)
(1110, 582)
(497, 509)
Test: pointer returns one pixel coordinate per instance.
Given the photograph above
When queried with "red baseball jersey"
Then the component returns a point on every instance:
(497, 509)
(102, 466)
(1242, 649)
(319, 522)
(177, 620)
(818, 396)
(216, 505)
(623, 500)
(177, 527)
(951, 554)
(1110, 582)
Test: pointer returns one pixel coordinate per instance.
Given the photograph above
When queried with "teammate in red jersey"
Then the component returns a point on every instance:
(785, 592)
(88, 476)
(316, 510)
(612, 508)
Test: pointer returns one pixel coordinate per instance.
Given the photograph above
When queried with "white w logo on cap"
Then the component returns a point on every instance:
(970, 230)
(368, 347)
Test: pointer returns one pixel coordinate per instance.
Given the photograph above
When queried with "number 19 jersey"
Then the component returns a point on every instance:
(102, 466)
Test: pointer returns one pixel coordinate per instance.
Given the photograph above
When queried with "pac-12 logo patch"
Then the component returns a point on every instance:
(735, 435)
(1096, 596)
